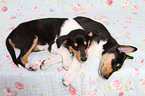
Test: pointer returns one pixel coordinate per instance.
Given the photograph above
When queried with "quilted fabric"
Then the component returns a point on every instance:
(125, 21)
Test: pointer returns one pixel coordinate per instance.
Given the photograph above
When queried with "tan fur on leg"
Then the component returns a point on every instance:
(25, 57)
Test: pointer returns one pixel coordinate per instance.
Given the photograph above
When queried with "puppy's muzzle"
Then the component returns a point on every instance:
(83, 59)
(83, 56)
(106, 76)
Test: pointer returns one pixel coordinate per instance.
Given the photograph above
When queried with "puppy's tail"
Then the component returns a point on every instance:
(11, 51)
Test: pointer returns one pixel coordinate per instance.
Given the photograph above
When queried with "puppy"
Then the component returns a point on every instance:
(111, 54)
(28, 37)
(104, 46)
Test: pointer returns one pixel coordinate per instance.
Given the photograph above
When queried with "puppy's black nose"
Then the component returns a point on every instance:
(106, 76)
(83, 58)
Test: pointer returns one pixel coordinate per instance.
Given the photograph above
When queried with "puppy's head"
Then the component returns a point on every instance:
(113, 60)
(77, 41)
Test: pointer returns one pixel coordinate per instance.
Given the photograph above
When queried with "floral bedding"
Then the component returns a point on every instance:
(125, 21)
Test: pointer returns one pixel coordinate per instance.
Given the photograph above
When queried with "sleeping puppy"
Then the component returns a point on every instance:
(30, 36)
(111, 54)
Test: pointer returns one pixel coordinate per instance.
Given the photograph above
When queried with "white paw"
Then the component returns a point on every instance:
(45, 64)
(30, 67)
(68, 79)
(66, 63)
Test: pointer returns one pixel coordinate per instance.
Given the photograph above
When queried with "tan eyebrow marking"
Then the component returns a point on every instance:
(118, 65)
(76, 44)
(85, 43)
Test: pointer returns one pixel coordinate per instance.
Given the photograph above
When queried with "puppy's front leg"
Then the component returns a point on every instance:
(62, 55)
(50, 61)
(66, 57)
(71, 73)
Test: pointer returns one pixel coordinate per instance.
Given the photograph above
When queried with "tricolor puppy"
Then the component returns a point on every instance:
(58, 33)
(111, 54)
(104, 46)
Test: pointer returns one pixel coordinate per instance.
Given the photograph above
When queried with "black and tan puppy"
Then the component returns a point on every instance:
(28, 36)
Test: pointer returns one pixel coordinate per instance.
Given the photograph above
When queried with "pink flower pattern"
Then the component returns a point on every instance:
(142, 81)
(51, 10)
(36, 9)
(72, 90)
(126, 4)
(135, 7)
(19, 85)
(76, 7)
(4, 9)
(12, 17)
(121, 94)
(109, 2)
(117, 85)
(135, 71)
(1, 1)
(59, 69)
(8, 92)
(6, 57)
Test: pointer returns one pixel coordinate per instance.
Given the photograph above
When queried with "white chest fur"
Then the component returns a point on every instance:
(96, 49)
(68, 26)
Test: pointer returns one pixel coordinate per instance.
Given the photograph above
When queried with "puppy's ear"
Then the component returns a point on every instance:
(129, 57)
(61, 40)
(126, 49)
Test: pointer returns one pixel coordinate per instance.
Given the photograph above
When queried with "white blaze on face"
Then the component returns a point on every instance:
(77, 54)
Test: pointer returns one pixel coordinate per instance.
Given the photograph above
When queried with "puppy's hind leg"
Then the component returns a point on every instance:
(24, 56)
